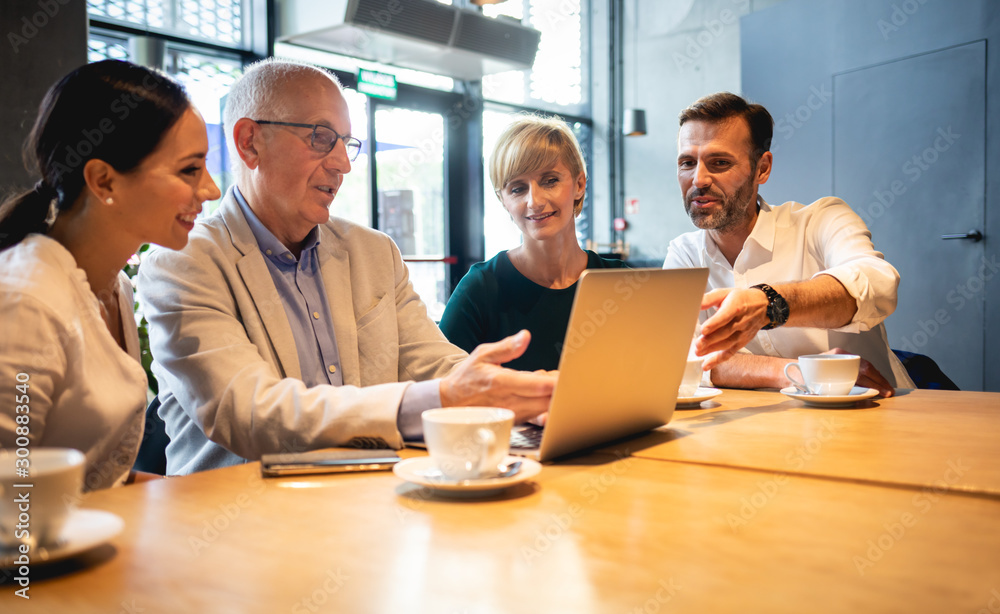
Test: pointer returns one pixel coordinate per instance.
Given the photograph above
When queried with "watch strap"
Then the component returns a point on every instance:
(777, 307)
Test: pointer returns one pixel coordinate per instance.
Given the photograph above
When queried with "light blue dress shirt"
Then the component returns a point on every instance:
(299, 282)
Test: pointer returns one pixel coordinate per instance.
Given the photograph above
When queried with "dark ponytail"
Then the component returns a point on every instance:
(112, 111)
(25, 213)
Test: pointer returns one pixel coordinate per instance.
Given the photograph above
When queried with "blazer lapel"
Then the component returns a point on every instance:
(335, 264)
(253, 270)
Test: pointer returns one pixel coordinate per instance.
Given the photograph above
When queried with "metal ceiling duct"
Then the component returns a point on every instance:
(419, 34)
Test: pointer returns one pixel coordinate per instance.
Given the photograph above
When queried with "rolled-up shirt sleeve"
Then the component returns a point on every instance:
(844, 242)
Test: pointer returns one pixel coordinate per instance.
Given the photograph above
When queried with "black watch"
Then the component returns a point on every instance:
(777, 307)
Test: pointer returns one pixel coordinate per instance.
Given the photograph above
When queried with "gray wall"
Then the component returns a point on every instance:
(894, 55)
(686, 49)
(42, 41)
(689, 48)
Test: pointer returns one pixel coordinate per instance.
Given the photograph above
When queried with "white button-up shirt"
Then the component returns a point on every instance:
(794, 242)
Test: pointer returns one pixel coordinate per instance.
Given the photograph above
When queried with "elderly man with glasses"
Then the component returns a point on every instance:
(280, 328)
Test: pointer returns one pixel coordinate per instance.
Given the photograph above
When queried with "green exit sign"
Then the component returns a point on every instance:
(377, 84)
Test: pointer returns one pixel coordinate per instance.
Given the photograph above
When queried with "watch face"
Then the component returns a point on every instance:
(777, 310)
(782, 308)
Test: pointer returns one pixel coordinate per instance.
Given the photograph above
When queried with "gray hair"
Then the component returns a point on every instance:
(257, 94)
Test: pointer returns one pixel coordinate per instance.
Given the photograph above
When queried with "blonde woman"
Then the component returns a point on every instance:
(538, 173)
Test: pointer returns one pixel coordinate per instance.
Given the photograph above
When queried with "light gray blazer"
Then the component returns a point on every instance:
(226, 362)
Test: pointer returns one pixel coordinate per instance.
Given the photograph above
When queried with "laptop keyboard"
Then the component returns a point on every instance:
(526, 437)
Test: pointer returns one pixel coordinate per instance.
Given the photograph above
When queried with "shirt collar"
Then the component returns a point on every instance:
(269, 245)
(763, 229)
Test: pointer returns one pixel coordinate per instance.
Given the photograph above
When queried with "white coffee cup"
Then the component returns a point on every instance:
(826, 374)
(692, 377)
(468, 442)
(35, 514)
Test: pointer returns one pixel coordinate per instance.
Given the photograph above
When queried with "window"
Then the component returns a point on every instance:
(106, 48)
(555, 82)
(218, 21)
(207, 42)
(207, 80)
(554, 85)
(353, 201)
(196, 61)
(411, 195)
(499, 230)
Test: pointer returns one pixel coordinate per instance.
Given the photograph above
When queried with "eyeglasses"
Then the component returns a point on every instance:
(324, 139)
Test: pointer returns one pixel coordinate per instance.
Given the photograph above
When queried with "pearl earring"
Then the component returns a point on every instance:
(109, 200)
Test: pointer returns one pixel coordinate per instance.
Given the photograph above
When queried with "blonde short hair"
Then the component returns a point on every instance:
(534, 142)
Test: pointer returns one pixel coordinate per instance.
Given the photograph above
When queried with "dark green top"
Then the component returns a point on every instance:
(495, 300)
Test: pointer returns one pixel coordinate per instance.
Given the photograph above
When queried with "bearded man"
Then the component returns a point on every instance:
(784, 281)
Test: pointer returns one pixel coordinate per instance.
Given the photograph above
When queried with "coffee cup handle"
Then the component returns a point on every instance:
(799, 385)
(486, 439)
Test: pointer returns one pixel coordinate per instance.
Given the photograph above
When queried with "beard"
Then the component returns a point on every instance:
(734, 210)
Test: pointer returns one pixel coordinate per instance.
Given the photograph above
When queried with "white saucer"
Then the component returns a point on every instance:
(418, 470)
(695, 400)
(84, 530)
(844, 400)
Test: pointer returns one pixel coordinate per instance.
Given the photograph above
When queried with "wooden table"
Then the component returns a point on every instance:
(751, 504)
(595, 534)
(933, 439)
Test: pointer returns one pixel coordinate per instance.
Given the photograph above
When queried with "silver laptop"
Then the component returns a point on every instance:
(622, 359)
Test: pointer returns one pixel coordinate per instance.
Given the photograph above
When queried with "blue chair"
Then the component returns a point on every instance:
(924, 371)
(152, 456)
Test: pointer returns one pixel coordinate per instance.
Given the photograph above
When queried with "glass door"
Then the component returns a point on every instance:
(352, 200)
(410, 186)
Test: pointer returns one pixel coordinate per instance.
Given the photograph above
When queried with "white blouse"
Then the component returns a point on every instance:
(83, 391)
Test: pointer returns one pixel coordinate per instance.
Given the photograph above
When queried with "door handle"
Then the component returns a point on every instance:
(972, 235)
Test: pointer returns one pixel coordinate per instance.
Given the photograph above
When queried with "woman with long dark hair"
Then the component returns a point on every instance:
(120, 151)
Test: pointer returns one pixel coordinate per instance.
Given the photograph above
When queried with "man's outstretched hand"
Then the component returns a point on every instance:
(742, 312)
(480, 380)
